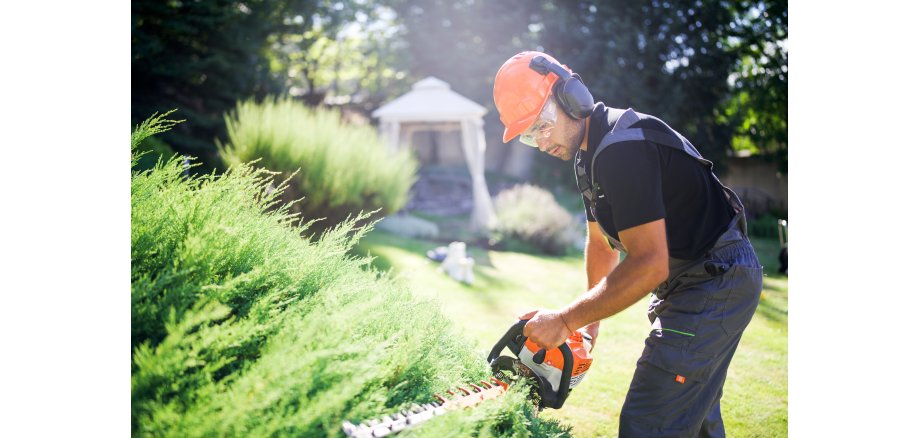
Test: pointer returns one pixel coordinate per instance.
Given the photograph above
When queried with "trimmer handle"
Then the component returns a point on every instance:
(540, 356)
(513, 339)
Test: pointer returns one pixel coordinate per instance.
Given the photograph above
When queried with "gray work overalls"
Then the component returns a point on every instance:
(697, 314)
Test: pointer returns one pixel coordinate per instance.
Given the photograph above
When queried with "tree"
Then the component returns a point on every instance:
(716, 70)
(674, 59)
(201, 57)
(348, 53)
(758, 107)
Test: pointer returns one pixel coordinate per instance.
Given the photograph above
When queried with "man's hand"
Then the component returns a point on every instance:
(546, 328)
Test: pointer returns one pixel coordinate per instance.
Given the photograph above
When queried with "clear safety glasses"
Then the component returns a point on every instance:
(542, 127)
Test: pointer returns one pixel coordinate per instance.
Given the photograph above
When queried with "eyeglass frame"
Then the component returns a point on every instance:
(542, 127)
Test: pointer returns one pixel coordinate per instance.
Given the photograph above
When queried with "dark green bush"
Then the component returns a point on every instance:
(528, 216)
(151, 150)
(765, 226)
(343, 168)
(240, 327)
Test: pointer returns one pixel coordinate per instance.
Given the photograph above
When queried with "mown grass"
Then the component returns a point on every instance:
(755, 402)
(241, 327)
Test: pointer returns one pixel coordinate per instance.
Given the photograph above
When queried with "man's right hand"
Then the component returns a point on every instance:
(545, 328)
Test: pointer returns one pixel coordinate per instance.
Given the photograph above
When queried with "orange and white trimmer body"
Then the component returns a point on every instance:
(568, 363)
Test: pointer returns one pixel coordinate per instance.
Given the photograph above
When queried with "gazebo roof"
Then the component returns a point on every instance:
(431, 100)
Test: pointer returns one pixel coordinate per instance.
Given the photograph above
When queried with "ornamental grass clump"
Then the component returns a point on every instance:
(336, 169)
(529, 215)
(241, 327)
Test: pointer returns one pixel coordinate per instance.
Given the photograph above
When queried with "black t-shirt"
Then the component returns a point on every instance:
(643, 182)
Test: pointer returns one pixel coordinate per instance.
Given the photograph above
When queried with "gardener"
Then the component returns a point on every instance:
(648, 193)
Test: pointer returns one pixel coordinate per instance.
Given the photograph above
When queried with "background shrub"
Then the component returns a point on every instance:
(343, 168)
(530, 215)
(766, 225)
(151, 150)
(240, 327)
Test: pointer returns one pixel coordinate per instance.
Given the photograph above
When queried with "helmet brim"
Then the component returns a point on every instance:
(515, 129)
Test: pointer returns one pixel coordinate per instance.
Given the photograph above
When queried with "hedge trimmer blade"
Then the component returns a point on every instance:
(461, 398)
(553, 374)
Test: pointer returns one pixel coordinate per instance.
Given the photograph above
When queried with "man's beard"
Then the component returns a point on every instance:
(566, 153)
(561, 152)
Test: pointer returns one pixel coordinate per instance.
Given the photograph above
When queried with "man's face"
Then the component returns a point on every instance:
(564, 139)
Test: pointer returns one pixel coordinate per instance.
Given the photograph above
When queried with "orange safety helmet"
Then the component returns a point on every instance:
(520, 92)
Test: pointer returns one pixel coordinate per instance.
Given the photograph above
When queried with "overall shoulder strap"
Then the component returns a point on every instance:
(623, 131)
(666, 137)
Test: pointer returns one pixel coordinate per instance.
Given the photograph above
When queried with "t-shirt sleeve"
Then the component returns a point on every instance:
(629, 174)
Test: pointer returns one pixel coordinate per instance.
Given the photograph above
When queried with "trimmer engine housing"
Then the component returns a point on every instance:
(568, 363)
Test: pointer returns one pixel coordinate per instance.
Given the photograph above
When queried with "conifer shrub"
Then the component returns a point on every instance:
(529, 216)
(241, 327)
(336, 169)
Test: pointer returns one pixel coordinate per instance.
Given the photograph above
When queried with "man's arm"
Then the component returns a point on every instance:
(644, 268)
(600, 261)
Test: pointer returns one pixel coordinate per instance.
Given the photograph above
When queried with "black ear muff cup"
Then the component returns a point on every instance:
(574, 98)
(571, 93)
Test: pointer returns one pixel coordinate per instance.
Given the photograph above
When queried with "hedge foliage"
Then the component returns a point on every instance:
(241, 327)
(529, 214)
(338, 169)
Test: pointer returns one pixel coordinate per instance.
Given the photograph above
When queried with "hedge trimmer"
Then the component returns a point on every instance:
(547, 370)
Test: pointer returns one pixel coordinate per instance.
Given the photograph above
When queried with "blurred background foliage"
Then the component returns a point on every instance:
(549, 229)
(335, 170)
(715, 70)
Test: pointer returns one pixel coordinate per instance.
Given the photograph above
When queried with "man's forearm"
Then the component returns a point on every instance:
(621, 288)
(600, 260)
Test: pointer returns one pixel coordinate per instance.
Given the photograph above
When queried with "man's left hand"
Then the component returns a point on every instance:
(545, 328)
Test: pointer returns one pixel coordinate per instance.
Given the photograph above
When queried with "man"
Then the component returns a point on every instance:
(647, 193)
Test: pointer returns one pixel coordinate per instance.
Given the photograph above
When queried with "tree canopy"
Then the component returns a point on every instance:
(201, 57)
(714, 69)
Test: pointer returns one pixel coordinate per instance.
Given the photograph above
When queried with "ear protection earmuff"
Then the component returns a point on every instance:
(571, 93)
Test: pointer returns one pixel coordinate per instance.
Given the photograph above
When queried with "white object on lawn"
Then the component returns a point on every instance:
(457, 265)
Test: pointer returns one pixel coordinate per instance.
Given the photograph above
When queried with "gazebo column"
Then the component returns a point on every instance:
(474, 149)
(389, 131)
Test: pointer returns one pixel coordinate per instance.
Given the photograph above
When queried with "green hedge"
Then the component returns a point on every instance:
(240, 327)
(338, 169)
(767, 225)
(529, 216)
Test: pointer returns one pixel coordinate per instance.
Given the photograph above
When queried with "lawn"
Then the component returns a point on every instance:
(509, 283)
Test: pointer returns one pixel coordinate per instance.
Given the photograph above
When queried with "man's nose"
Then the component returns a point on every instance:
(544, 144)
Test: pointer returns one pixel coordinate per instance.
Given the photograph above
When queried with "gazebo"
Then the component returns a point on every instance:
(432, 105)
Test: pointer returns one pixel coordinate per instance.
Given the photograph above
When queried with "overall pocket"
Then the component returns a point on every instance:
(733, 298)
(675, 319)
(742, 300)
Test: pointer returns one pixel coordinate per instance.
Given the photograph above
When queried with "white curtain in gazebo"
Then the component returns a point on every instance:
(389, 130)
(474, 149)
